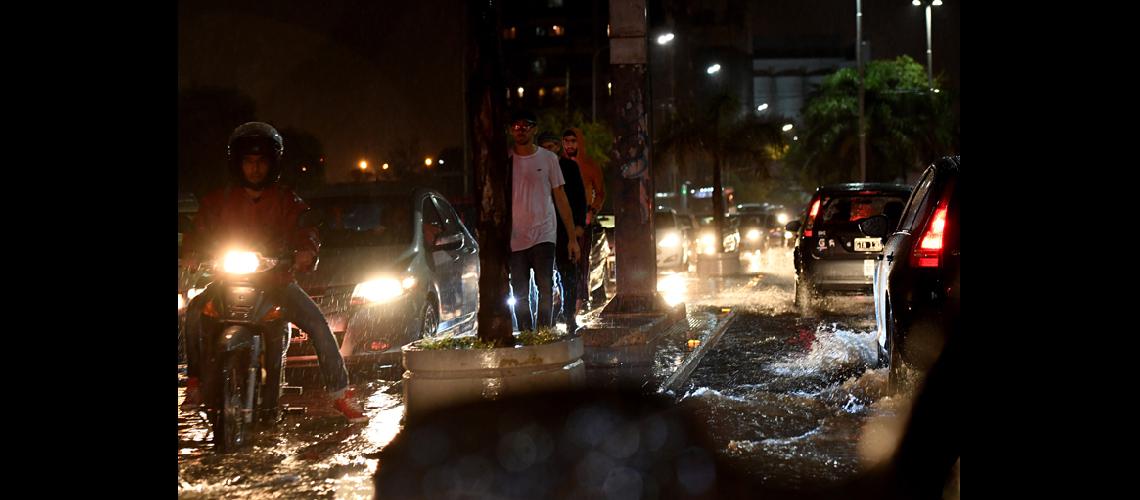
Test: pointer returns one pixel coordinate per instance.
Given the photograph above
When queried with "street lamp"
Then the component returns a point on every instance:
(788, 127)
(929, 52)
(762, 107)
(665, 38)
(713, 69)
(363, 165)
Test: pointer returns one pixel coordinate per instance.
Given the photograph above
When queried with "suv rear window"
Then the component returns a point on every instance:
(838, 209)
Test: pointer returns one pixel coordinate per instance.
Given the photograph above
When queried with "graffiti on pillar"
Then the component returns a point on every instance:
(633, 151)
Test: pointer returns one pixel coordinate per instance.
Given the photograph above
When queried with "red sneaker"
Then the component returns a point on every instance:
(351, 410)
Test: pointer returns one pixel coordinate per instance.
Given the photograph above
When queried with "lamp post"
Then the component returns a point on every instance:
(929, 51)
(862, 118)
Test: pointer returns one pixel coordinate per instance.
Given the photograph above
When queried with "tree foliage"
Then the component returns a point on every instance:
(599, 137)
(907, 124)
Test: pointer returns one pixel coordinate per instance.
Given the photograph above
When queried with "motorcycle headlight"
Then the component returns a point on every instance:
(753, 234)
(669, 241)
(788, 235)
(382, 290)
(238, 262)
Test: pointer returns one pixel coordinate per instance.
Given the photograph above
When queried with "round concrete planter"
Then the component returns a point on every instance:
(439, 378)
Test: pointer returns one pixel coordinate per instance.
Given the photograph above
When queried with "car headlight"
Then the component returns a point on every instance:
(707, 240)
(788, 235)
(382, 290)
(782, 218)
(670, 240)
(753, 234)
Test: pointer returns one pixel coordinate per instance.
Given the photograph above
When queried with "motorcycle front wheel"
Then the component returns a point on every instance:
(232, 431)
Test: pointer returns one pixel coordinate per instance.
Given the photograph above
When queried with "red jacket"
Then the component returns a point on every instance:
(229, 217)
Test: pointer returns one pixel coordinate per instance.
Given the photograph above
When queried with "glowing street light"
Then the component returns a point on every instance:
(427, 161)
(384, 166)
(363, 165)
(788, 127)
(713, 69)
(762, 107)
(665, 39)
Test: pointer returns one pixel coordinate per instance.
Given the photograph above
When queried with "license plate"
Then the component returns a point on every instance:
(868, 268)
(868, 244)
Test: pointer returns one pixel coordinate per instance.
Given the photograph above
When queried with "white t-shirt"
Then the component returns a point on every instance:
(533, 218)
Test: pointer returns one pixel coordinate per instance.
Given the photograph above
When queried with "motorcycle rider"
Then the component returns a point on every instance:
(260, 210)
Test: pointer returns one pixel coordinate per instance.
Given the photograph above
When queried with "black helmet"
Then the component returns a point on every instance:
(260, 139)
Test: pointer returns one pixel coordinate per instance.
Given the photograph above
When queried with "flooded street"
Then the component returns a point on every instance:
(793, 400)
(790, 400)
(315, 455)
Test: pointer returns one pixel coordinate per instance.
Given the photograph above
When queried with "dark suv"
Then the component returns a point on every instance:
(917, 280)
(831, 254)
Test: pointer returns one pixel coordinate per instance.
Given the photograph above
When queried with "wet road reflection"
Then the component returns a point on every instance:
(790, 398)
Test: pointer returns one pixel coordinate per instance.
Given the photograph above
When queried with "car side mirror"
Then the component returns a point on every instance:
(793, 226)
(875, 226)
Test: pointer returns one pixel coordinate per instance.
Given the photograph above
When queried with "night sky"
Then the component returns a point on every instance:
(360, 75)
(366, 76)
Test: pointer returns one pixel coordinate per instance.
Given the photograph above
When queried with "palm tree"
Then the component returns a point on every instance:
(717, 130)
(908, 124)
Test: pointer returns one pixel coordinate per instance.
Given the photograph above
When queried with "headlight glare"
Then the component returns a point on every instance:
(237, 262)
(379, 291)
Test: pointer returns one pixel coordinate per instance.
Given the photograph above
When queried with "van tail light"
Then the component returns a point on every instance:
(811, 218)
(928, 251)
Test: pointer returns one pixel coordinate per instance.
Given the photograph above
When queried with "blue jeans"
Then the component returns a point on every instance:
(540, 258)
(298, 309)
(568, 283)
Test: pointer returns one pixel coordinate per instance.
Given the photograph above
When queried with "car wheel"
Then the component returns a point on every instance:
(805, 297)
(429, 321)
(895, 364)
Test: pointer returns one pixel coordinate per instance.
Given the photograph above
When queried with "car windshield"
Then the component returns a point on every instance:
(838, 209)
(364, 221)
(753, 220)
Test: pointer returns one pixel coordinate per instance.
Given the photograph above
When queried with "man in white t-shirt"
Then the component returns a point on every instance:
(536, 185)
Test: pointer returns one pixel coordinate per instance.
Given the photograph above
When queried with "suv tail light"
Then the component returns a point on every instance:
(928, 251)
(811, 217)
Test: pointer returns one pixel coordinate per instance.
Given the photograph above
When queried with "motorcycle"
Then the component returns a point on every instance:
(243, 340)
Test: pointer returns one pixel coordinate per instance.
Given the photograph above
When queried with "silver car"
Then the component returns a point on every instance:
(394, 267)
